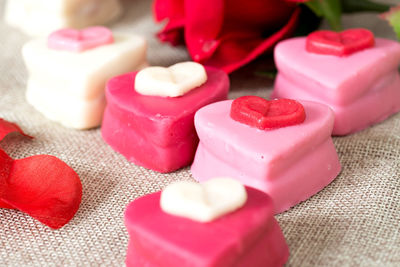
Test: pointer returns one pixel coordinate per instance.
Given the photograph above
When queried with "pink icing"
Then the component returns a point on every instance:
(249, 236)
(339, 79)
(381, 101)
(362, 89)
(290, 164)
(157, 132)
(80, 40)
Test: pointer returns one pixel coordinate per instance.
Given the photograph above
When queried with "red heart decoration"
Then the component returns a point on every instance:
(339, 43)
(80, 40)
(42, 186)
(264, 114)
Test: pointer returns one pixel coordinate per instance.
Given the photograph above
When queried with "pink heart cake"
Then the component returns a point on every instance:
(80, 40)
(289, 163)
(248, 236)
(153, 131)
(361, 83)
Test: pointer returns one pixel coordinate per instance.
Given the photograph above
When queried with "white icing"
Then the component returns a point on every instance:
(203, 202)
(174, 81)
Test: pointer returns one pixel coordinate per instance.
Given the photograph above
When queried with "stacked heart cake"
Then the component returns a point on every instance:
(149, 115)
(351, 72)
(282, 147)
(218, 223)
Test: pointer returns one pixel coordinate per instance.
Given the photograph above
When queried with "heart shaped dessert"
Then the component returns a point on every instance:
(361, 88)
(267, 114)
(80, 40)
(339, 43)
(245, 236)
(158, 132)
(60, 78)
(203, 202)
(173, 81)
(288, 163)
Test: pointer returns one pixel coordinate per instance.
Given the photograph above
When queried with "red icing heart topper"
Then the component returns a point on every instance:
(80, 40)
(267, 114)
(339, 43)
(42, 186)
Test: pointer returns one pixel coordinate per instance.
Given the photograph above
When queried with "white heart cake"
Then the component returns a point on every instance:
(203, 202)
(173, 81)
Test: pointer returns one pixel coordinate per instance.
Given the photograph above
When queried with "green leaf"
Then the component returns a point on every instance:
(393, 16)
(331, 10)
(350, 6)
(309, 22)
(271, 74)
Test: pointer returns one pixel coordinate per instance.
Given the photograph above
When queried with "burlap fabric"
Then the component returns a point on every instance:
(352, 222)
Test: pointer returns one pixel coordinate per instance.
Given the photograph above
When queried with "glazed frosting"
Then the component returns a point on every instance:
(174, 81)
(157, 132)
(250, 236)
(339, 79)
(362, 88)
(203, 202)
(290, 163)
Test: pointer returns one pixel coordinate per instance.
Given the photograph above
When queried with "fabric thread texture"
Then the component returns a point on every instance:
(352, 222)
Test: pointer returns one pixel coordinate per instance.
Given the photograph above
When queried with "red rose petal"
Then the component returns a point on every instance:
(172, 32)
(237, 49)
(6, 128)
(168, 9)
(297, 1)
(203, 24)
(42, 186)
(263, 114)
(9, 127)
(4, 205)
(5, 169)
(226, 34)
(173, 10)
(257, 14)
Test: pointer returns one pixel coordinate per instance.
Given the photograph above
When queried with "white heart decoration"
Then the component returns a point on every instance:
(174, 81)
(203, 202)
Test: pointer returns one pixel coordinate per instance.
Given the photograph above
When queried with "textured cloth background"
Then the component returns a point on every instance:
(354, 221)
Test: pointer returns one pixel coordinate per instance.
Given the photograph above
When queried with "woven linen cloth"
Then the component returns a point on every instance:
(352, 222)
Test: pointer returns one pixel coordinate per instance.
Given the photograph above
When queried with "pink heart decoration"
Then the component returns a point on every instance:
(80, 40)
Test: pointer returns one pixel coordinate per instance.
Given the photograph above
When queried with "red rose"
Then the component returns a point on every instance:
(226, 34)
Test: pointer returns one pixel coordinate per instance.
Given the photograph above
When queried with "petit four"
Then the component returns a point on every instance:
(281, 147)
(149, 114)
(69, 69)
(217, 223)
(41, 17)
(352, 72)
